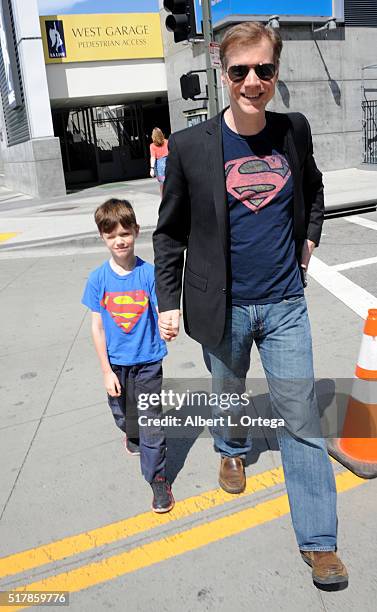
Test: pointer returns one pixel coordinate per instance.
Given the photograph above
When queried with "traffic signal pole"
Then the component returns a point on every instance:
(182, 23)
(211, 72)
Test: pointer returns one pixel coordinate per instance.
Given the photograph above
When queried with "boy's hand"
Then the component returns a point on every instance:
(168, 324)
(112, 384)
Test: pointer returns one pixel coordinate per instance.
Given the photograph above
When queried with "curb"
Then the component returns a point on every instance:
(86, 239)
(345, 206)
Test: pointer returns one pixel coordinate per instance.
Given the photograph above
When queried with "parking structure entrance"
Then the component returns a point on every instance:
(101, 144)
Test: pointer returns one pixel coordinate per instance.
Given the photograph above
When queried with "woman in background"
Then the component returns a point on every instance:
(159, 153)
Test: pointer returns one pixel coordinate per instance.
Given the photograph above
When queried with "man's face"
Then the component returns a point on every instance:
(251, 95)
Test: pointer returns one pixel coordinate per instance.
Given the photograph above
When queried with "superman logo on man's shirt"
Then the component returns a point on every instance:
(255, 181)
(126, 308)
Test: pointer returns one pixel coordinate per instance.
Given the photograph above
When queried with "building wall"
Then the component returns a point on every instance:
(87, 80)
(320, 76)
(33, 166)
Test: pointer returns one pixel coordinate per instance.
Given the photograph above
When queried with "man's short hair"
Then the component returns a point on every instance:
(250, 33)
(112, 212)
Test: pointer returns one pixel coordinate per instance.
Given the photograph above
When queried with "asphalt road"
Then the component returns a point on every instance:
(74, 509)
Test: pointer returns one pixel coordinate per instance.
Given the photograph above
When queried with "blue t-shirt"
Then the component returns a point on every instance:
(260, 197)
(128, 308)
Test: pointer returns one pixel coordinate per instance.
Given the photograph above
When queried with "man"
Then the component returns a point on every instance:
(244, 197)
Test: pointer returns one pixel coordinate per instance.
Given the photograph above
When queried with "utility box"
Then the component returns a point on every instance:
(195, 116)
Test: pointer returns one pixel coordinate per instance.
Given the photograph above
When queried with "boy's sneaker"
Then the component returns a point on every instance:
(163, 500)
(132, 446)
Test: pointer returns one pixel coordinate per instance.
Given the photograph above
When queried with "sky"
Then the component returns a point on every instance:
(68, 7)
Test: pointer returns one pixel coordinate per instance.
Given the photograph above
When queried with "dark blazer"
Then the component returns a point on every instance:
(194, 215)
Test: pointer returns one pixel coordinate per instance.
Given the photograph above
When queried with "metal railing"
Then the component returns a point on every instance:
(370, 131)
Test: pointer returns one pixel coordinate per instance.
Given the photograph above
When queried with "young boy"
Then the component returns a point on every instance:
(121, 296)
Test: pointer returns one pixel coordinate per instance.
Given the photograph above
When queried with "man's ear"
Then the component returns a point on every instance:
(223, 76)
(137, 230)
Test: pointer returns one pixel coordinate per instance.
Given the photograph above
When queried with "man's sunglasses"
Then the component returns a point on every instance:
(239, 72)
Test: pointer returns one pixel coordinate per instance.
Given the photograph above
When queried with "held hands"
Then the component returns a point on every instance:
(112, 384)
(168, 324)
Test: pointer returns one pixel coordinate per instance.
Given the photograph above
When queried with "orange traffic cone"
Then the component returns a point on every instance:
(357, 448)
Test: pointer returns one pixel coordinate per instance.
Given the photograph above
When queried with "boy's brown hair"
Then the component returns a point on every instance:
(112, 212)
(247, 34)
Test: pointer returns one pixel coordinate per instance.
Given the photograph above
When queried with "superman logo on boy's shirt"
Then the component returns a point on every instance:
(125, 308)
(255, 181)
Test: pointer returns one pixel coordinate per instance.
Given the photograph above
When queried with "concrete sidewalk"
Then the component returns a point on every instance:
(31, 222)
(350, 188)
(25, 221)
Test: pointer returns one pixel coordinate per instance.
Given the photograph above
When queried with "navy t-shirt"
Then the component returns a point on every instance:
(260, 198)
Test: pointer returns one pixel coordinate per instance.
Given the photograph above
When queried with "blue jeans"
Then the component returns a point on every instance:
(136, 380)
(282, 334)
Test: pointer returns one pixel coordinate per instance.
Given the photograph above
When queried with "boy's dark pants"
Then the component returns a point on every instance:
(145, 378)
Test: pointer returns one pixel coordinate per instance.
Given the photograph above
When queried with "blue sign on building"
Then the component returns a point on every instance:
(223, 8)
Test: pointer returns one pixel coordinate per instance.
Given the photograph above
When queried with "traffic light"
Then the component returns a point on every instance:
(182, 19)
(190, 86)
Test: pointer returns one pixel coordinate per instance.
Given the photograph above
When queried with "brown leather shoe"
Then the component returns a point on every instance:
(232, 475)
(327, 568)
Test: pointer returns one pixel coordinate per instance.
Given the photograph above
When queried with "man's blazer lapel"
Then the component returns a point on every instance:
(216, 176)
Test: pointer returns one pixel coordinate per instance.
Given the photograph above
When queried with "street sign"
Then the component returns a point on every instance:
(214, 54)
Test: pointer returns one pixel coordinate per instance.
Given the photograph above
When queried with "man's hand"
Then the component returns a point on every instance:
(306, 253)
(112, 384)
(168, 324)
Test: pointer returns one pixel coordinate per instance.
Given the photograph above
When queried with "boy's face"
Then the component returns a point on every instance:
(121, 241)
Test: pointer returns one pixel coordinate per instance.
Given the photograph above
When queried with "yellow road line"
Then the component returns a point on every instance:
(73, 545)
(174, 545)
(8, 236)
